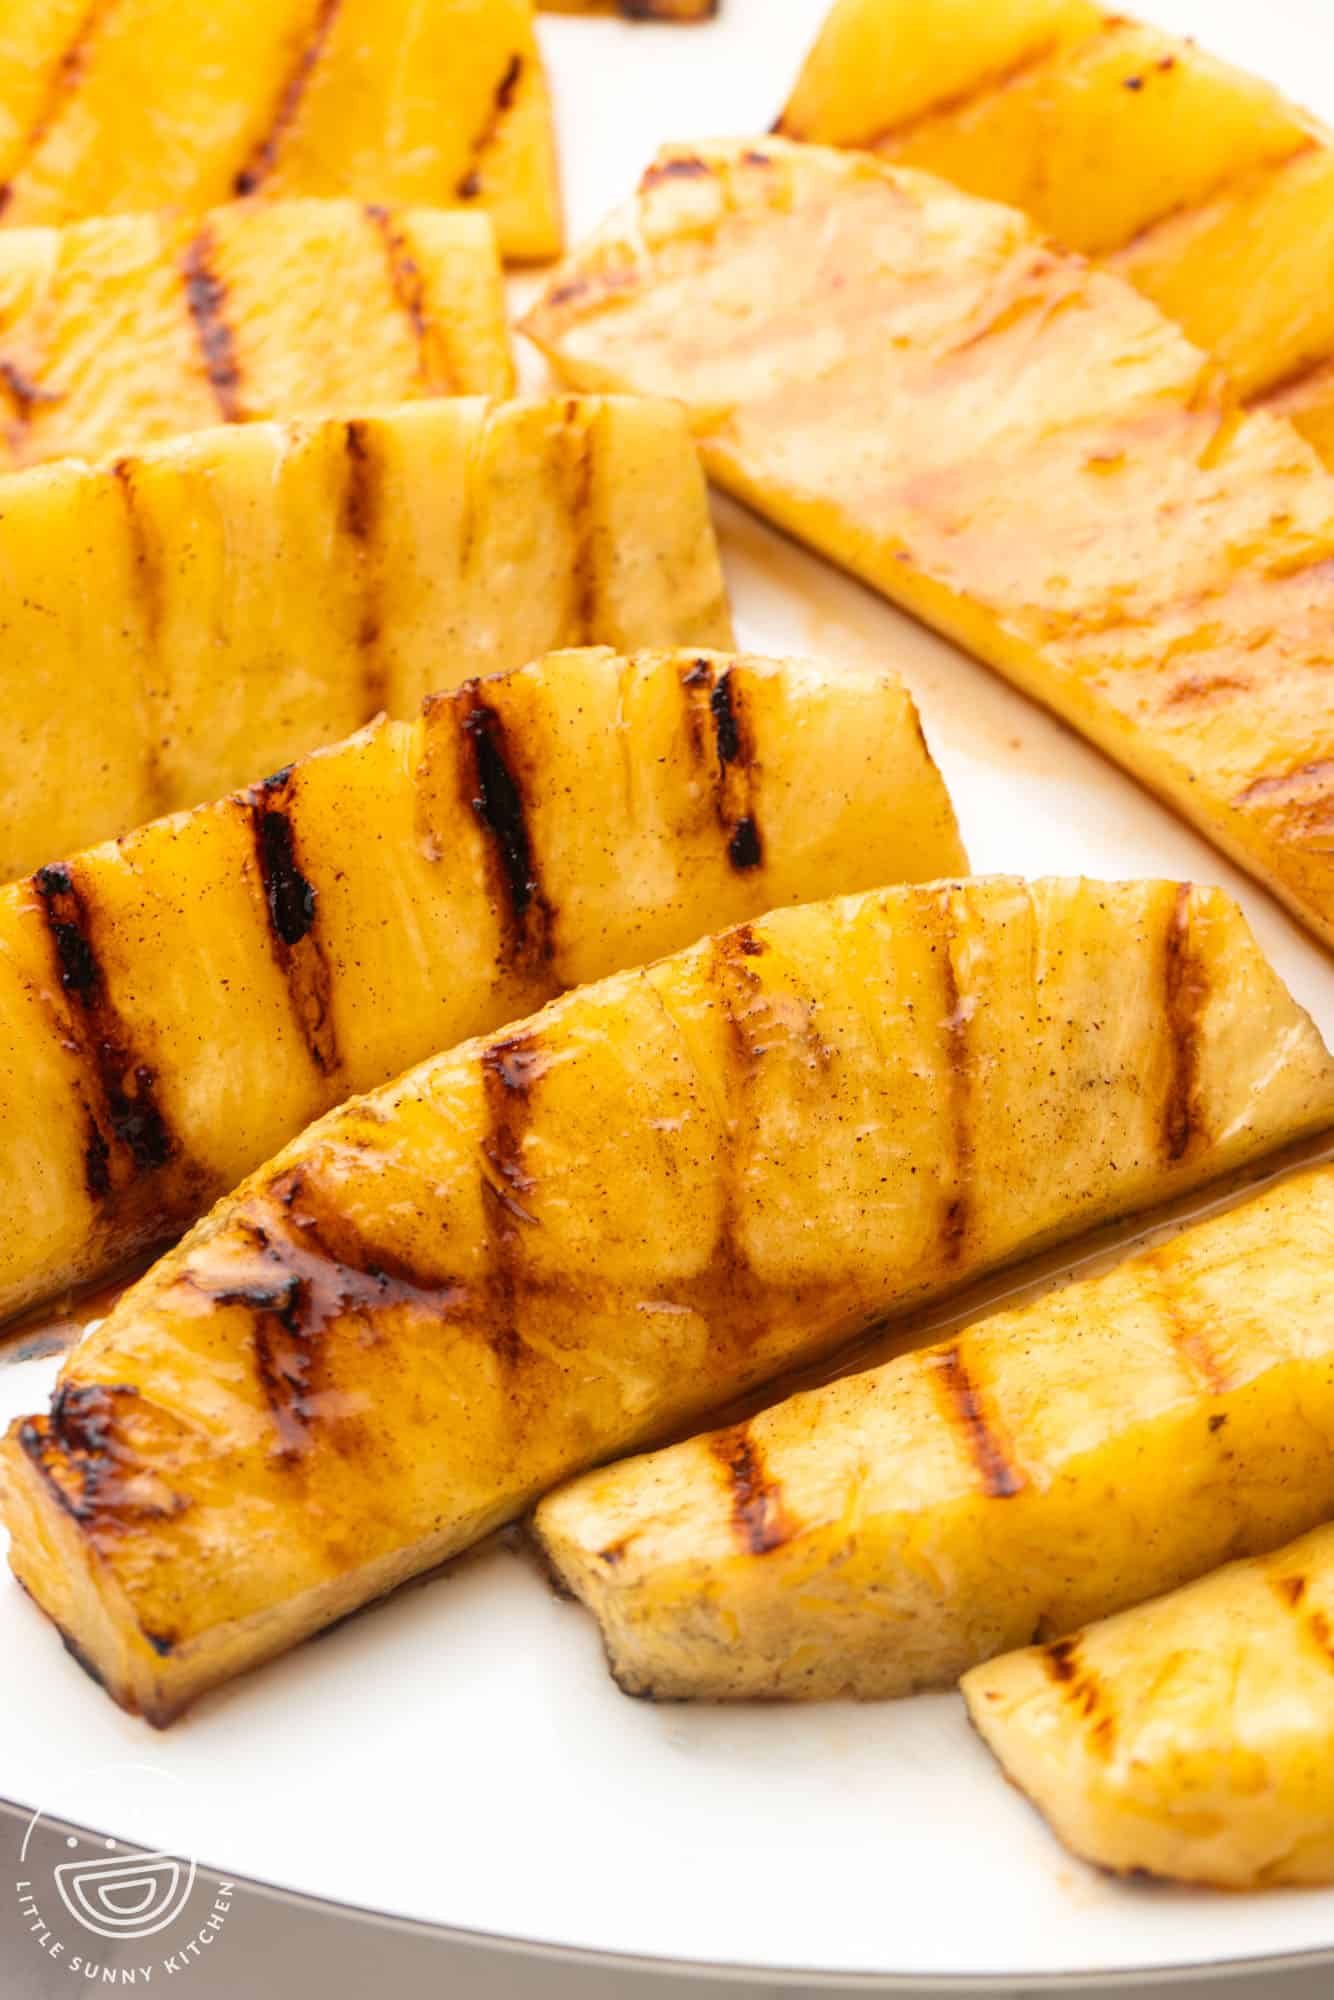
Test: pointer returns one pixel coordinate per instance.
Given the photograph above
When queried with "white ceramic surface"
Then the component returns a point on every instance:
(459, 1755)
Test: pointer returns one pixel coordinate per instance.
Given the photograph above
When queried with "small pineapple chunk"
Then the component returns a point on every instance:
(119, 332)
(1192, 1739)
(889, 1531)
(436, 106)
(200, 613)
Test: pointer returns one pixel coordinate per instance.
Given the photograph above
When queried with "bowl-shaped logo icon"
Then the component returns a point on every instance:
(125, 1895)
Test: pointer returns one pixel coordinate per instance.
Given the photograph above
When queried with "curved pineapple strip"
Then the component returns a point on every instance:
(120, 332)
(433, 106)
(185, 619)
(886, 1532)
(555, 1243)
(1007, 442)
(1199, 183)
(253, 962)
(1191, 1739)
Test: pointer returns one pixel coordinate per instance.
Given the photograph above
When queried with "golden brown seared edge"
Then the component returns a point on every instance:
(1009, 443)
(234, 599)
(555, 1243)
(1190, 1739)
(119, 332)
(177, 1005)
(1198, 182)
(444, 105)
(1041, 1468)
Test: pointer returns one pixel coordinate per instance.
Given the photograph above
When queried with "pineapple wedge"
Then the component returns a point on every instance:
(436, 106)
(237, 598)
(1007, 442)
(886, 1532)
(1198, 182)
(556, 1243)
(254, 962)
(1192, 1739)
(120, 332)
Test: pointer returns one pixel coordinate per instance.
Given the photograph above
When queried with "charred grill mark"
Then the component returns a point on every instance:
(681, 167)
(1291, 1594)
(471, 181)
(313, 1272)
(264, 157)
(1185, 1332)
(1305, 795)
(1084, 1691)
(128, 1136)
(89, 1467)
(65, 80)
(1001, 1478)
(494, 793)
(510, 1069)
(148, 576)
(1204, 687)
(761, 1522)
(580, 474)
(667, 10)
(1185, 991)
(736, 768)
(206, 301)
(956, 1013)
(434, 367)
(363, 502)
(26, 397)
(291, 906)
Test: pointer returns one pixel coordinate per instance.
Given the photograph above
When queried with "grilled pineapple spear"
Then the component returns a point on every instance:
(122, 331)
(557, 1242)
(1192, 1738)
(1198, 183)
(913, 381)
(443, 105)
(186, 619)
(885, 1533)
(249, 964)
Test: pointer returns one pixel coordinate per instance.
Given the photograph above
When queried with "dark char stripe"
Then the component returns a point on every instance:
(954, 1026)
(264, 158)
(363, 507)
(1185, 991)
(292, 908)
(408, 284)
(471, 181)
(127, 1129)
(735, 771)
(510, 1068)
(206, 301)
(1001, 1479)
(758, 1514)
(66, 78)
(1066, 1668)
(494, 793)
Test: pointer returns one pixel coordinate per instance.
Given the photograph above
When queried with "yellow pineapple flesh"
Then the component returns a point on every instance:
(193, 616)
(1199, 183)
(120, 332)
(1010, 443)
(389, 101)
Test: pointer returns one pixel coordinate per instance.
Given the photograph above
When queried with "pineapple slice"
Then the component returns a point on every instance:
(1008, 442)
(121, 332)
(1192, 1739)
(232, 600)
(1201, 184)
(885, 1533)
(556, 1242)
(437, 106)
(255, 961)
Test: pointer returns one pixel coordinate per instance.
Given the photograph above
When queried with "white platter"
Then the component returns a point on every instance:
(459, 1755)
